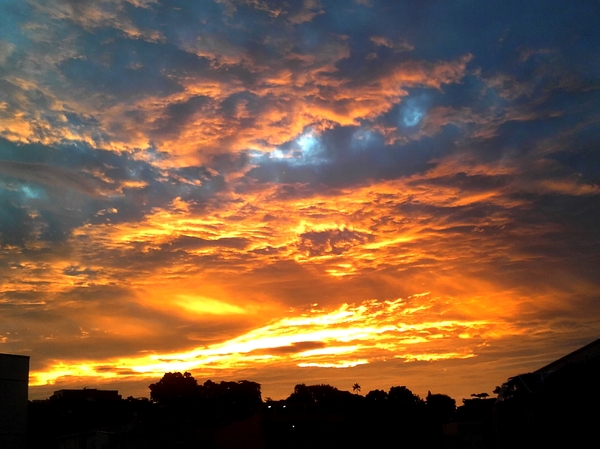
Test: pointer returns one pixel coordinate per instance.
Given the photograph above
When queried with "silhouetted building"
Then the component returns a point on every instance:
(555, 406)
(14, 378)
(86, 394)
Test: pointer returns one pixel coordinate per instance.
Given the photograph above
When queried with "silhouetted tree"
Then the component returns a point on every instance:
(403, 397)
(313, 393)
(228, 401)
(174, 388)
(480, 395)
(302, 394)
(440, 407)
(356, 388)
(403, 403)
(376, 396)
(327, 397)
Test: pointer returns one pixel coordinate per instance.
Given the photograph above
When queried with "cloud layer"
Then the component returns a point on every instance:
(274, 190)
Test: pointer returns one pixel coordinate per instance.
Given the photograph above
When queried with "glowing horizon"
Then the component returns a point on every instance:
(368, 325)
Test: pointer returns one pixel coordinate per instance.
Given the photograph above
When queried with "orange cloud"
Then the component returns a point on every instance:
(372, 330)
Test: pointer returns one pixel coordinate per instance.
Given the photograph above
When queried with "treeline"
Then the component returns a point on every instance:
(335, 418)
(183, 413)
(180, 396)
(238, 400)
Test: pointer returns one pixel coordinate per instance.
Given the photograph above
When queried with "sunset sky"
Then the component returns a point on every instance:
(385, 192)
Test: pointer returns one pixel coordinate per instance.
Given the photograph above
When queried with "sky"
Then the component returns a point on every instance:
(380, 192)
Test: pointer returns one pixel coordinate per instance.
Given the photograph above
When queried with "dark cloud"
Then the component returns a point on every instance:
(126, 78)
(69, 185)
(52, 176)
(293, 348)
(31, 297)
(15, 225)
(176, 115)
(345, 157)
(320, 243)
(75, 270)
(186, 243)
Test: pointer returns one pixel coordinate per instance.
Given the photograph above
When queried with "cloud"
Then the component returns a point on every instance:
(90, 15)
(181, 180)
(192, 243)
(52, 176)
(74, 270)
(335, 241)
(6, 49)
(309, 9)
(304, 336)
(123, 84)
(386, 42)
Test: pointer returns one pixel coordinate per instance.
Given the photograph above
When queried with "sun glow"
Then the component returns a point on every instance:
(348, 336)
(203, 305)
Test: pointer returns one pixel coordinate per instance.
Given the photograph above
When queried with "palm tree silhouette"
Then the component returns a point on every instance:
(356, 387)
